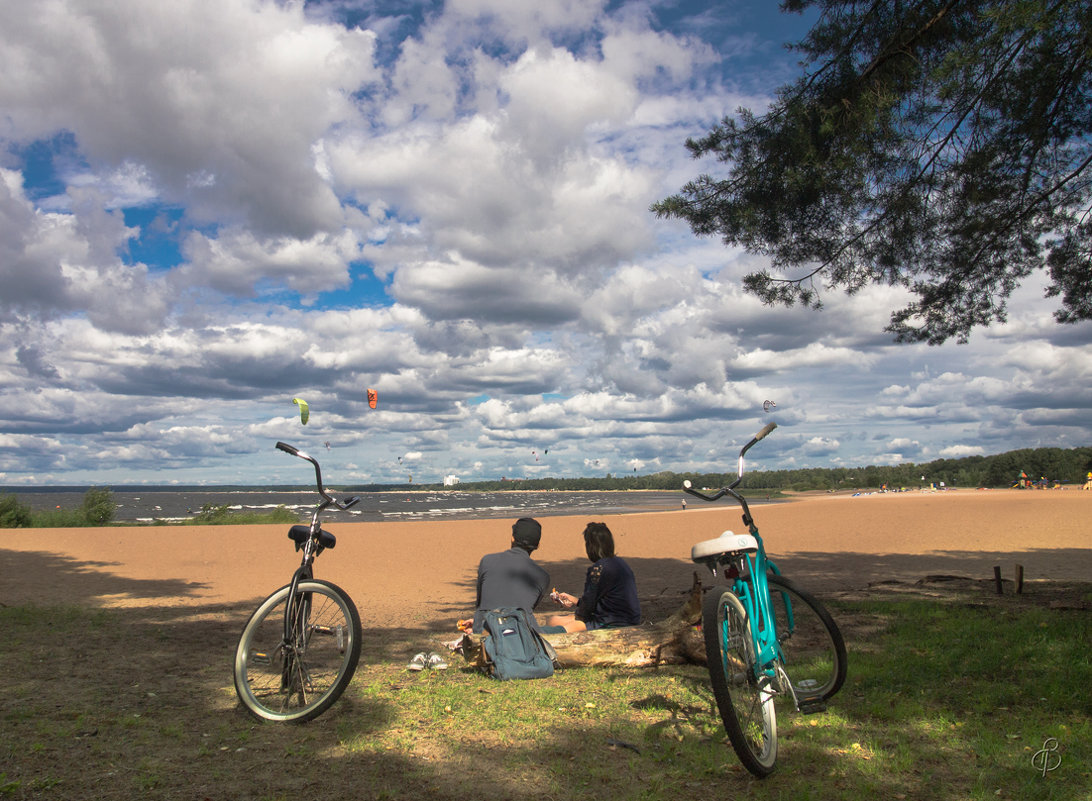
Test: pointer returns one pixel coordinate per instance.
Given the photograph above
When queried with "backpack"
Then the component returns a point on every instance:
(515, 648)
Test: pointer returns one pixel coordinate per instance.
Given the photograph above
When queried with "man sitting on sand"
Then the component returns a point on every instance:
(511, 578)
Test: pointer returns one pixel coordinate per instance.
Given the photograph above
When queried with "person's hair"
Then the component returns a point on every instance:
(598, 541)
(526, 534)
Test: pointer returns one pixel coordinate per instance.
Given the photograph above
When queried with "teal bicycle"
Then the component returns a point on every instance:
(766, 640)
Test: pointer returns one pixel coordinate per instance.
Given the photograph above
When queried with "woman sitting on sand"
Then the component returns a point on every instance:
(610, 591)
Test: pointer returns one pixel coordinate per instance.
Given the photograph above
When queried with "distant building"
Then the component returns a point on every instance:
(451, 481)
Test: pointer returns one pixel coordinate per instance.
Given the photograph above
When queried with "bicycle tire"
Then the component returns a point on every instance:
(746, 704)
(299, 682)
(811, 643)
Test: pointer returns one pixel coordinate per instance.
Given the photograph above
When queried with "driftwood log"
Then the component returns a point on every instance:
(675, 640)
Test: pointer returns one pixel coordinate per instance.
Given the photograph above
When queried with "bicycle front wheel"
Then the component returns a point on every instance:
(812, 645)
(745, 700)
(296, 675)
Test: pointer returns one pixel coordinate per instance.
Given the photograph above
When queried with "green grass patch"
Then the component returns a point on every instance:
(97, 509)
(944, 700)
(214, 515)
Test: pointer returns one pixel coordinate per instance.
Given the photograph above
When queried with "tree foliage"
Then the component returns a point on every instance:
(13, 514)
(940, 145)
(98, 506)
(1066, 465)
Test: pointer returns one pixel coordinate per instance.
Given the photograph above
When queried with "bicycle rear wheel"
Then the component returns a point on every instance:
(812, 645)
(298, 677)
(745, 702)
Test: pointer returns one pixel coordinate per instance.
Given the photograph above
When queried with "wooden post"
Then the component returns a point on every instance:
(997, 579)
(1019, 579)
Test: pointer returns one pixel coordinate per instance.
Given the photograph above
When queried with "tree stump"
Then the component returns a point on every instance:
(675, 640)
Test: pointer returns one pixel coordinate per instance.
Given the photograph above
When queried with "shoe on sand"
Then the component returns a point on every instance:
(419, 662)
(436, 662)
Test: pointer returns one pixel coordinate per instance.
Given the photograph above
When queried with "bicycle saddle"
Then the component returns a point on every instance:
(726, 543)
(299, 535)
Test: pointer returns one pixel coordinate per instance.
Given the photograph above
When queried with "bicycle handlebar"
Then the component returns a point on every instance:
(689, 489)
(730, 489)
(342, 505)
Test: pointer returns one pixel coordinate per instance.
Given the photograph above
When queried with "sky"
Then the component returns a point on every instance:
(211, 207)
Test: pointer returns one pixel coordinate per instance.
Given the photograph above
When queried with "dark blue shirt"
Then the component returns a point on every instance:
(610, 595)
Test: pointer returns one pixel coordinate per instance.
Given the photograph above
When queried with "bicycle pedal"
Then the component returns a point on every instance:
(810, 707)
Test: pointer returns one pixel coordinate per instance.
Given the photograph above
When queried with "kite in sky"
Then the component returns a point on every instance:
(303, 409)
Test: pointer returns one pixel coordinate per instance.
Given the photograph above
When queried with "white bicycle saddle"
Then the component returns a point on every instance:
(726, 543)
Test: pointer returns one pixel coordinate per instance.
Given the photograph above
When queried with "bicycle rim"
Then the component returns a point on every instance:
(811, 643)
(746, 704)
(299, 678)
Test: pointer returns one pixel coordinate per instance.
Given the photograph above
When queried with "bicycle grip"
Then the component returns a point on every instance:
(765, 431)
(284, 446)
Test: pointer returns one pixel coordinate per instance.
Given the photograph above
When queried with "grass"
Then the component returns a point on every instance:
(213, 515)
(946, 699)
(98, 510)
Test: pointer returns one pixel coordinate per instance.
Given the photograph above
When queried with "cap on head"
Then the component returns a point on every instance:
(527, 531)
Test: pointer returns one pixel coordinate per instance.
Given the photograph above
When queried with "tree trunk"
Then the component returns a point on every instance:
(675, 640)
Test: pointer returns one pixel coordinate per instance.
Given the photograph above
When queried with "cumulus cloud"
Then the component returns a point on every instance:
(201, 221)
(53, 264)
(223, 121)
(821, 446)
(959, 451)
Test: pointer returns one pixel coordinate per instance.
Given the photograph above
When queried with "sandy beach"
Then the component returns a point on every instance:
(421, 574)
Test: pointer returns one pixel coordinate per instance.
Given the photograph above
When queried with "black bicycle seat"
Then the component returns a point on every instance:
(300, 533)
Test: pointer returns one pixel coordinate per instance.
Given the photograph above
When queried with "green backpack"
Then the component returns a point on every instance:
(515, 648)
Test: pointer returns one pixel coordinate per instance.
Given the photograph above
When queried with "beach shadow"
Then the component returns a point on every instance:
(663, 585)
(821, 572)
(153, 683)
(46, 578)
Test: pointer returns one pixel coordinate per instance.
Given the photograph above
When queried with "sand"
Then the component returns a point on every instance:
(421, 574)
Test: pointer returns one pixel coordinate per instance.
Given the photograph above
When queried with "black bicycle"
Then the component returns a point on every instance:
(299, 649)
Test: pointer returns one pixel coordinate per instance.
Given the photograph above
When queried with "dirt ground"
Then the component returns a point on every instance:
(421, 574)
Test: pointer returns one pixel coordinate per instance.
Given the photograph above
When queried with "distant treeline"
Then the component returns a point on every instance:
(1067, 466)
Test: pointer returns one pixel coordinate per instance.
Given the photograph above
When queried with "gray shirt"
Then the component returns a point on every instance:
(509, 578)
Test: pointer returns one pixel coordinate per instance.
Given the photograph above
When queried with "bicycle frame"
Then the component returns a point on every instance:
(296, 615)
(753, 591)
(748, 572)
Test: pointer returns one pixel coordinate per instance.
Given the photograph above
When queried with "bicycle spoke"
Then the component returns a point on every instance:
(300, 680)
(745, 702)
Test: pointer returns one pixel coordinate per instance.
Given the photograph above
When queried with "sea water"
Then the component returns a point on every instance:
(167, 505)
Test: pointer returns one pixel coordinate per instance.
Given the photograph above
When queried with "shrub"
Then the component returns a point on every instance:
(219, 515)
(98, 506)
(12, 513)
